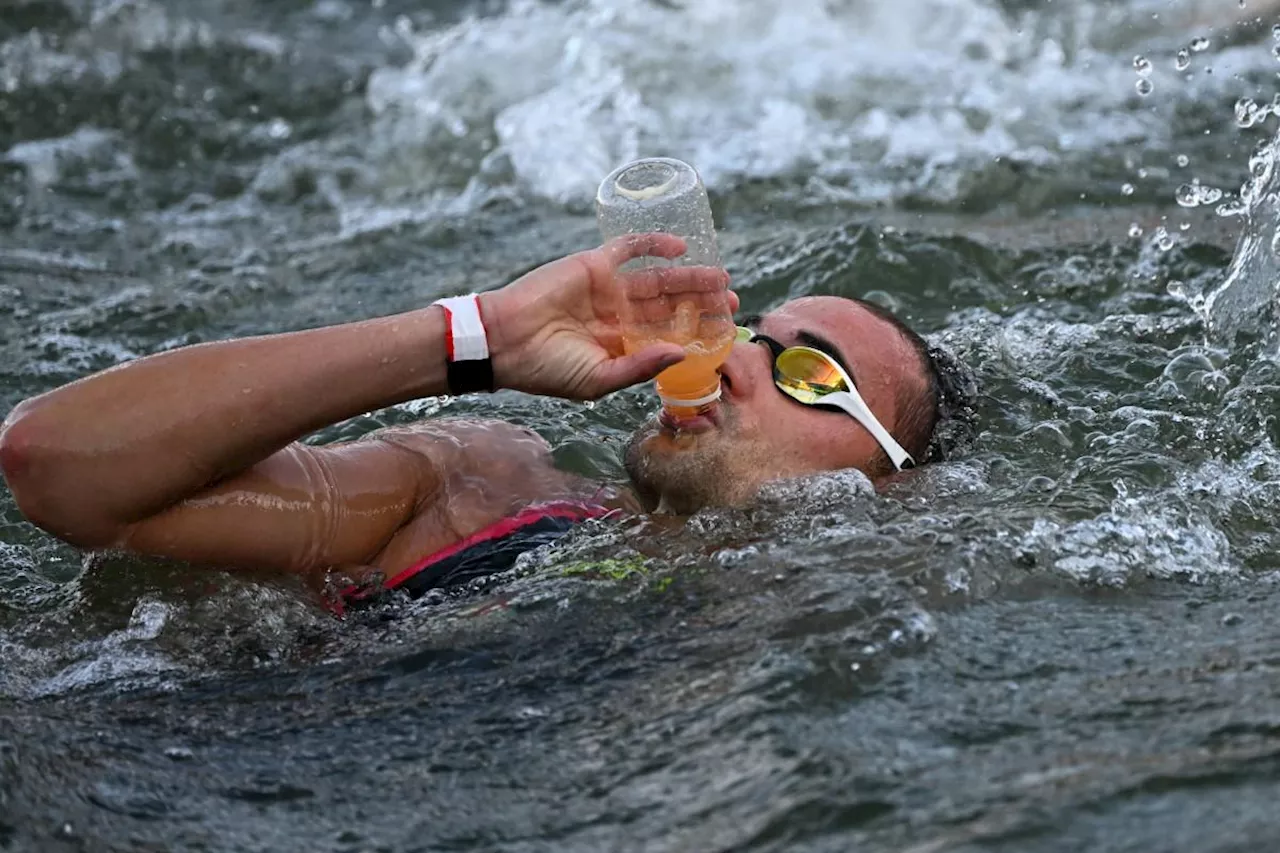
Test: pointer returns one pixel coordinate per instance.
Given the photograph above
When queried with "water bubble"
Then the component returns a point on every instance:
(1275, 243)
(1183, 160)
(1182, 60)
(1176, 289)
(1164, 240)
(1184, 226)
(1143, 87)
(1275, 51)
(1246, 112)
(1275, 31)
(1260, 165)
(1235, 207)
(1126, 189)
(1194, 195)
(1200, 43)
(1142, 65)
(1135, 230)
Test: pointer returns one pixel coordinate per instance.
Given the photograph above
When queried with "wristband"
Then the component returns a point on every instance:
(466, 345)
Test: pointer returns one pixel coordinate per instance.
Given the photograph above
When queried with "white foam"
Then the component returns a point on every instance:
(563, 92)
(127, 655)
(1135, 538)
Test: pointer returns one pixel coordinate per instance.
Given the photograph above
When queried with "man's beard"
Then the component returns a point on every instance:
(684, 480)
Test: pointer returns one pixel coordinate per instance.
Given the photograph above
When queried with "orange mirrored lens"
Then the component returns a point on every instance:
(807, 374)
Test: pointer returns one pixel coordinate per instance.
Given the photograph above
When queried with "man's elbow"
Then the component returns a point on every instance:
(17, 447)
(41, 494)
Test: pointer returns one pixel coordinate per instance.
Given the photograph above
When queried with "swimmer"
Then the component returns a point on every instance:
(195, 454)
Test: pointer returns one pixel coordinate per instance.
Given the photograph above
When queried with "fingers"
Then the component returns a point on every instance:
(657, 281)
(653, 295)
(627, 247)
(664, 309)
(617, 373)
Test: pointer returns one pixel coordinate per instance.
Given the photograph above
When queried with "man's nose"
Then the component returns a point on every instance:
(747, 365)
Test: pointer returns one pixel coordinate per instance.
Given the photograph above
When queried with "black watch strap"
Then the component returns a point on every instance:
(468, 377)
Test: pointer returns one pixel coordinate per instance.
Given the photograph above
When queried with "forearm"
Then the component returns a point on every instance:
(126, 443)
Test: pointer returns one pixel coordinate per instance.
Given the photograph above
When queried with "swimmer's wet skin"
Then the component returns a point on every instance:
(130, 459)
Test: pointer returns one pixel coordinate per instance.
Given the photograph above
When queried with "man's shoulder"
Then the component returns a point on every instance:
(482, 448)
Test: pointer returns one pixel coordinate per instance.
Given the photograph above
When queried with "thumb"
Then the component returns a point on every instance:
(618, 373)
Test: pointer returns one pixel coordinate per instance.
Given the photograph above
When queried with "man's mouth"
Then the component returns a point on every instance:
(704, 421)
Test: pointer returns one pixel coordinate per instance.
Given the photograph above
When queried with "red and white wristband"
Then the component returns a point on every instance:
(467, 345)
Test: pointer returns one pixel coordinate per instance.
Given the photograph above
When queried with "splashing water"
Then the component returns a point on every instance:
(558, 94)
(1246, 300)
(875, 666)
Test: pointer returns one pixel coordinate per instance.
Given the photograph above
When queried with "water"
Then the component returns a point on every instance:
(1064, 639)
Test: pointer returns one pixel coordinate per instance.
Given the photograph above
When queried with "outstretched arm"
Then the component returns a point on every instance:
(192, 453)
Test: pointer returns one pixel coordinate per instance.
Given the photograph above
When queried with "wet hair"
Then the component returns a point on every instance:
(935, 421)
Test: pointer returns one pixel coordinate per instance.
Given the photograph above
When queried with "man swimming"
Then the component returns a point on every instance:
(194, 454)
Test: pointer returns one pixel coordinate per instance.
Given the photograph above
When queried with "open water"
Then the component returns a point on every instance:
(1064, 639)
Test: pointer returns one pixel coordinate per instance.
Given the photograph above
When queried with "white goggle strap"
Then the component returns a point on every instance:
(852, 403)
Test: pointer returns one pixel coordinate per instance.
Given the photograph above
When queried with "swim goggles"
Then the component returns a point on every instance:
(812, 377)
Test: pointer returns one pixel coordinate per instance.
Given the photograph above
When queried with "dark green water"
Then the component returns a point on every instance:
(1064, 639)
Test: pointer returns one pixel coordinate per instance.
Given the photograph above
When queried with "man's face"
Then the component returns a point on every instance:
(761, 434)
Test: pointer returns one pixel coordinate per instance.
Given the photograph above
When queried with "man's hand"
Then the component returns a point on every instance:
(557, 330)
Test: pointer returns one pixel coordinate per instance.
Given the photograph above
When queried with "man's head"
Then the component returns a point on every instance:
(761, 434)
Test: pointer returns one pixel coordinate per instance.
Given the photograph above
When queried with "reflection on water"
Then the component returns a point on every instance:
(1061, 640)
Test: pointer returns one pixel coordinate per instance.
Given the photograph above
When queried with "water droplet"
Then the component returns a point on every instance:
(1142, 65)
(1184, 226)
(278, 128)
(1143, 87)
(1165, 240)
(1275, 51)
(1183, 160)
(1135, 230)
(1182, 60)
(1142, 173)
(1200, 43)
(1126, 189)
(1275, 31)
